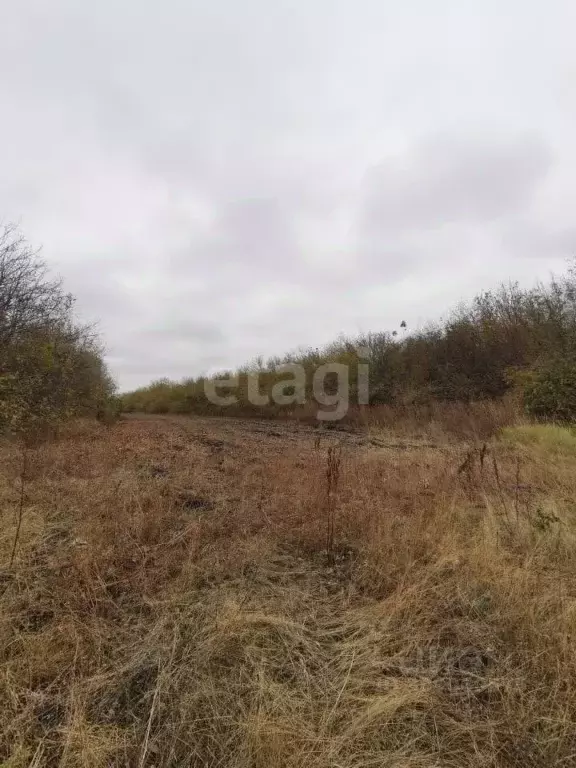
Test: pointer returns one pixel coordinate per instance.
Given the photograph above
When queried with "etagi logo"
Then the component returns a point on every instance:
(330, 387)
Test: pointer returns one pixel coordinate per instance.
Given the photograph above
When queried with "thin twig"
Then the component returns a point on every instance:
(517, 490)
(500, 491)
(333, 460)
(21, 504)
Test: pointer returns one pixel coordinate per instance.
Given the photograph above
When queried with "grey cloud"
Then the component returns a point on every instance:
(186, 329)
(531, 239)
(251, 241)
(98, 290)
(453, 179)
(141, 358)
(139, 370)
(257, 232)
(208, 176)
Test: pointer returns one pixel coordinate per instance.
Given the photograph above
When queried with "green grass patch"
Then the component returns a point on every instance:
(550, 438)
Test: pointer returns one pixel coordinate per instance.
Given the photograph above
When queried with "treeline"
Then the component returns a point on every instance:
(51, 366)
(505, 339)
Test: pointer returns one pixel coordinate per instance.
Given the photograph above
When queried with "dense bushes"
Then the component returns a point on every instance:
(51, 367)
(468, 357)
(549, 391)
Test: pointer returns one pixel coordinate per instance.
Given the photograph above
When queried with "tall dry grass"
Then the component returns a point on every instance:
(171, 601)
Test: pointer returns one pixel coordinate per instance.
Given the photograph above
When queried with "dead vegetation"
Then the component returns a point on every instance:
(172, 602)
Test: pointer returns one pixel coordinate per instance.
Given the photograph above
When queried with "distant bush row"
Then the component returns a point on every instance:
(51, 366)
(508, 339)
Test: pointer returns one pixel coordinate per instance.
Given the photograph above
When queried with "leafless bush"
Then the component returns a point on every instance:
(51, 367)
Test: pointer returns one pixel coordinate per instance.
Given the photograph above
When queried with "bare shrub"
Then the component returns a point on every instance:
(51, 367)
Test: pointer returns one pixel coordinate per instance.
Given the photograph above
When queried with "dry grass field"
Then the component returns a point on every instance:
(246, 594)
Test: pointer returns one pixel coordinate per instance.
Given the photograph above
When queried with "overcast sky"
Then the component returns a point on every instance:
(218, 179)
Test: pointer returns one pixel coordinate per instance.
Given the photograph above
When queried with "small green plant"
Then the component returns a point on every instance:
(543, 520)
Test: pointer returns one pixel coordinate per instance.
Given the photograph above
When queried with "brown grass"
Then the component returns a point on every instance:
(171, 601)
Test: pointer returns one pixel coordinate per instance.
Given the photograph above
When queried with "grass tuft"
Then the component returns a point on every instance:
(552, 438)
